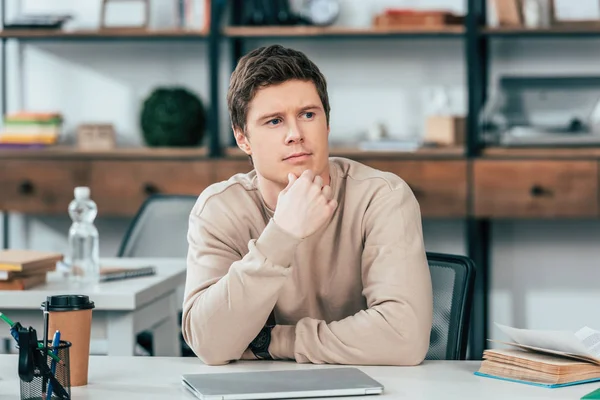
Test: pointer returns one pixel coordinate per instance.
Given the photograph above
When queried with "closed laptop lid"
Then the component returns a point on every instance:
(321, 382)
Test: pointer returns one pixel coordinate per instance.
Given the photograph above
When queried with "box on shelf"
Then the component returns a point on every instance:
(445, 130)
(96, 137)
(391, 18)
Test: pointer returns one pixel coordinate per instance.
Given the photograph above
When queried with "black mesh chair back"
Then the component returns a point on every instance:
(160, 227)
(453, 280)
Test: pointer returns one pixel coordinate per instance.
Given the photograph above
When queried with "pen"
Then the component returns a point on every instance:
(45, 351)
(55, 344)
(14, 334)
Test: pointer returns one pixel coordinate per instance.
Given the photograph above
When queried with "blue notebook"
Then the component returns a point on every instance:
(550, 386)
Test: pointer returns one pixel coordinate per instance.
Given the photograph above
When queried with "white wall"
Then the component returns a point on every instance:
(544, 273)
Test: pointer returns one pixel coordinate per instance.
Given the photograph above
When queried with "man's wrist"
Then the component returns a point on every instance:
(260, 345)
(277, 245)
(283, 339)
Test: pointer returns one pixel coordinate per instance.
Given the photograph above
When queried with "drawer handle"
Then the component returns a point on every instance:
(150, 189)
(539, 191)
(26, 187)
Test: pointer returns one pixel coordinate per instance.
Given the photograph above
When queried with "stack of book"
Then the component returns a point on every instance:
(549, 359)
(30, 129)
(24, 269)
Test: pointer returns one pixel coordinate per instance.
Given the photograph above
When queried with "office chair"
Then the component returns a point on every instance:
(159, 229)
(453, 280)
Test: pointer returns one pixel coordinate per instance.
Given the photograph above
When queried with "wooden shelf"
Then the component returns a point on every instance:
(112, 33)
(571, 30)
(118, 153)
(542, 152)
(355, 153)
(315, 31)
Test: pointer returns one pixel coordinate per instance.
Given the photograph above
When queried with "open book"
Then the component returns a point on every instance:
(545, 358)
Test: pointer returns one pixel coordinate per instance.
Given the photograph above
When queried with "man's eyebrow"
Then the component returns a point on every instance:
(268, 116)
(311, 107)
(275, 114)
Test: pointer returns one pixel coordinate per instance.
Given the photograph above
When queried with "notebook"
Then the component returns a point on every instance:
(117, 273)
(321, 382)
(23, 260)
(550, 359)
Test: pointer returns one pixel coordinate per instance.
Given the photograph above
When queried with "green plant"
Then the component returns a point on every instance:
(173, 116)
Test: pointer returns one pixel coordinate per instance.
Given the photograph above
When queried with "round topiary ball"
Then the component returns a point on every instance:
(173, 117)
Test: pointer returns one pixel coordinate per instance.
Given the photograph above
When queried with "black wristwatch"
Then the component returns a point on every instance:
(260, 344)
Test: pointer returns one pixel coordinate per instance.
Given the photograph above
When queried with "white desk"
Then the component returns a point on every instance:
(123, 308)
(159, 378)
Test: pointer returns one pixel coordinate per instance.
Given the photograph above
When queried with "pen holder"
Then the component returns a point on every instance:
(41, 384)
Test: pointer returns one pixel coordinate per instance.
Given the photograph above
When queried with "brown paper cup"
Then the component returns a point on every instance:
(72, 316)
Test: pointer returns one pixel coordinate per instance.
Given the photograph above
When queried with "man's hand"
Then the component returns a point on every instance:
(304, 205)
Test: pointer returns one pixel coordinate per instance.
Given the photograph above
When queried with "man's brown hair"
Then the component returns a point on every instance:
(267, 66)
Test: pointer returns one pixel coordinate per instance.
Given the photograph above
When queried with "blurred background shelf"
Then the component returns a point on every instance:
(541, 152)
(339, 32)
(555, 31)
(66, 152)
(101, 34)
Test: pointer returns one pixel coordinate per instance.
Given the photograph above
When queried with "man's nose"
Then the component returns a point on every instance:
(294, 134)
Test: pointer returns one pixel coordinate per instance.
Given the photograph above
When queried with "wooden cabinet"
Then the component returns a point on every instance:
(225, 169)
(40, 187)
(500, 188)
(440, 186)
(535, 189)
(120, 187)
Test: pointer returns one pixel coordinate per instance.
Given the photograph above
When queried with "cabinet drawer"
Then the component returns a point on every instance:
(120, 187)
(439, 186)
(40, 187)
(535, 189)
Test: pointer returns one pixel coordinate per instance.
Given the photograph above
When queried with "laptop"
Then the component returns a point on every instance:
(321, 382)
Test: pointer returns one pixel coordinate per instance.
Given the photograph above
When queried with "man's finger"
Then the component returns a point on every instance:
(327, 192)
(318, 181)
(308, 174)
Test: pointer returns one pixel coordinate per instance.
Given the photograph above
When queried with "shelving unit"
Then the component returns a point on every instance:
(339, 32)
(448, 182)
(104, 34)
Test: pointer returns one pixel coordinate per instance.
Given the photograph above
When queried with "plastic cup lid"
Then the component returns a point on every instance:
(68, 302)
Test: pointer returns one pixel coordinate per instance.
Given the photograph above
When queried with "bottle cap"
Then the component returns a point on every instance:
(82, 193)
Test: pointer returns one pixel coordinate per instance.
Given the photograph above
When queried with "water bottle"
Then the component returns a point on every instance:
(83, 255)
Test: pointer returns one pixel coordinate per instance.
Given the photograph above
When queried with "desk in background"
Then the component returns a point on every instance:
(146, 378)
(123, 308)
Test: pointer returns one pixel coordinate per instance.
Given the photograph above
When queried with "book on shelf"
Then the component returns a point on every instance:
(550, 359)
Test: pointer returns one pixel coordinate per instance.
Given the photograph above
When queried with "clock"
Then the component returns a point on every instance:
(321, 12)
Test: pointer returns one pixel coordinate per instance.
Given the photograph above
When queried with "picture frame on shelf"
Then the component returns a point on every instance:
(125, 15)
(570, 13)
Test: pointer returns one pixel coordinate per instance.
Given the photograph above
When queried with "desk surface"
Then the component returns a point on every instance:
(127, 294)
(159, 378)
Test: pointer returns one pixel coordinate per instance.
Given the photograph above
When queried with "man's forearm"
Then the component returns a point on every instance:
(223, 314)
(366, 338)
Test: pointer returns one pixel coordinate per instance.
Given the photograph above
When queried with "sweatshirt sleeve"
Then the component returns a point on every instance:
(228, 297)
(395, 328)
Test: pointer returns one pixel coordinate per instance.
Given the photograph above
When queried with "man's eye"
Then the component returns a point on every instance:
(274, 121)
(309, 114)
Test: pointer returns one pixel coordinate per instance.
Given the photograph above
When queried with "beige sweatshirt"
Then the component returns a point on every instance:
(358, 291)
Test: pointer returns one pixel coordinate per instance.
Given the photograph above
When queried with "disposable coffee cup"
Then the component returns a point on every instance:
(72, 316)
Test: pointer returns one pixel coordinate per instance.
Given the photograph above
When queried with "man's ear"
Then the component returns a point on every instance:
(242, 141)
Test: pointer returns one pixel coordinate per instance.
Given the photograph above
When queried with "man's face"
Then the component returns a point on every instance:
(287, 131)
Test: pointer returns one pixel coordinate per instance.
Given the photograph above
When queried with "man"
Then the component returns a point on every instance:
(306, 258)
